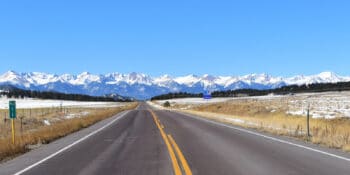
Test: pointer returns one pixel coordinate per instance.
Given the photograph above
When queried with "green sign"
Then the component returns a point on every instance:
(12, 109)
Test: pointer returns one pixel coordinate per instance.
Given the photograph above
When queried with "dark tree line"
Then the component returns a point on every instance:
(176, 95)
(20, 93)
(292, 89)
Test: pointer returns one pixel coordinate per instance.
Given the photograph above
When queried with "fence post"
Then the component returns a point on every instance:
(308, 122)
(21, 119)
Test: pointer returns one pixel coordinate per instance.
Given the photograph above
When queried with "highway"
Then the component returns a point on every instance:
(147, 141)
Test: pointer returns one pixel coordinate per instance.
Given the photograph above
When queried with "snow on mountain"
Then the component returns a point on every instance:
(324, 77)
(85, 78)
(188, 80)
(12, 77)
(260, 78)
(164, 80)
(143, 86)
(40, 78)
(66, 78)
(134, 78)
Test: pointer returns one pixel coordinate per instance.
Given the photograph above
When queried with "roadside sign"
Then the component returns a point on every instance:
(12, 109)
(12, 114)
(207, 95)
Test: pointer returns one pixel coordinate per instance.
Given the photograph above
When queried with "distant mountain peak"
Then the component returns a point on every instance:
(10, 72)
(143, 86)
(328, 74)
(85, 73)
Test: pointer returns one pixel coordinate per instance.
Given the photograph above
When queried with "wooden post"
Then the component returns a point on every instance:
(21, 119)
(13, 131)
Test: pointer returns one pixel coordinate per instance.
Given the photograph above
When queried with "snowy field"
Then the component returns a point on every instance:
(322, 105)
(38, 103)
(194, 100)
(190, 101)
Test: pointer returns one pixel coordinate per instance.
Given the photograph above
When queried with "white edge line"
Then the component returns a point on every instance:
(268, 137)
(71, 145)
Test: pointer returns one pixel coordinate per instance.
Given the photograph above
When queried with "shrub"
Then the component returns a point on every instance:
(166, 104)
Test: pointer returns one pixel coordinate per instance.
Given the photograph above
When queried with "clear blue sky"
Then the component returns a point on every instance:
(233, 37)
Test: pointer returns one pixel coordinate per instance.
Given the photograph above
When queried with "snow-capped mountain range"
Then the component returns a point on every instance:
(142, 86)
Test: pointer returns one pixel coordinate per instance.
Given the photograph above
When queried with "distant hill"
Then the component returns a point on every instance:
(12, 91)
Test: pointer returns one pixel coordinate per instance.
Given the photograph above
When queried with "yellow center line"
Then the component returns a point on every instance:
(181, 156)
(176, 167)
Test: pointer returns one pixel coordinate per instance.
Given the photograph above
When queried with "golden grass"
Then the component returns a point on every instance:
(33, 118)
(46, 134)
(334, 133)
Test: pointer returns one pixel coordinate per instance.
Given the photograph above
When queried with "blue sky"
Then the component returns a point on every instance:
(233, 37)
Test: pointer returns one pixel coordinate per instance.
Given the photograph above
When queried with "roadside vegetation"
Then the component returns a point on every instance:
(35, 132)
(271, 115)
(166, 104)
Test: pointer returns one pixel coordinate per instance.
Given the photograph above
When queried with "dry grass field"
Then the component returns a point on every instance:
(43, 125)
(274, 115)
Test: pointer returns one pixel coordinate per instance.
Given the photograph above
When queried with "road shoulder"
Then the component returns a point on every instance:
(335, 153)
(37, 155)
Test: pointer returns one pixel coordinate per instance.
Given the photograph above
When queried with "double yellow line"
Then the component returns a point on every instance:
(170, 143)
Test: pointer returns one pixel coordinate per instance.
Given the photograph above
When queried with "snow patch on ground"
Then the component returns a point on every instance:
(327, 105)
(71, 116)
(194, 100)
(234, 120)
(322, 105)
(217, 100)
(296, 112)
(155, 105)
(46, 122)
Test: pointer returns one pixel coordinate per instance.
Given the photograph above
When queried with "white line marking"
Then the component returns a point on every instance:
(268, 137)
(71, 145)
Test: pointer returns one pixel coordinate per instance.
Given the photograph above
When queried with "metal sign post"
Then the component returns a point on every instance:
(207, 95)
(12, 114)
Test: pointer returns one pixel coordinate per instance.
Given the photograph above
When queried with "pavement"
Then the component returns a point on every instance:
(148, 141)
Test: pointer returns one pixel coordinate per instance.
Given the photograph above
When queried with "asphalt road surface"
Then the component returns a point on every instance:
(146, 141)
